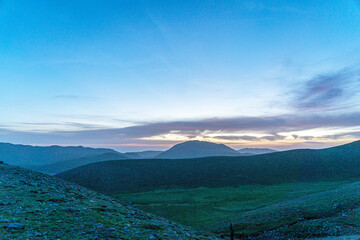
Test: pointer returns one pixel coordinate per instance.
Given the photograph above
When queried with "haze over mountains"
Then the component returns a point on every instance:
(255, 151)
(56, 159)
(143, 154)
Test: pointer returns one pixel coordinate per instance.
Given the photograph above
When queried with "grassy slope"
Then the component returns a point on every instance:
(332, 213)
(50, 208)
(192, 206)
(111, 177)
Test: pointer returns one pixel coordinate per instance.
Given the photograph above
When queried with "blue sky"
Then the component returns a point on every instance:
(148, 74)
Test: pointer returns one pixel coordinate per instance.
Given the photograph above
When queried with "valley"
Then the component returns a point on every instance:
(206, 207)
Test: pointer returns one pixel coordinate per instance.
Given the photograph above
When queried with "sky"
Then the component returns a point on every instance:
(138, 75)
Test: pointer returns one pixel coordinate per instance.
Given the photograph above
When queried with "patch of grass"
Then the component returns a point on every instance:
(152, 226)
(204, 207)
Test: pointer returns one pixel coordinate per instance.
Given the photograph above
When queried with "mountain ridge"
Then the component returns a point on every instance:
(27, 155)
(62, 166)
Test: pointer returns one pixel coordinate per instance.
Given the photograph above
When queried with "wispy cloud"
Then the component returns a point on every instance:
(327, 90)
(65, 124)
(248, 129)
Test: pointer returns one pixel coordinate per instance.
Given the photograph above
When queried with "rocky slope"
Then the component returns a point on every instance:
(38, 206)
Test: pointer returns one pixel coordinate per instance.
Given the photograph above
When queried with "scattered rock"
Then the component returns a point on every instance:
(14, 225)
(154, 237)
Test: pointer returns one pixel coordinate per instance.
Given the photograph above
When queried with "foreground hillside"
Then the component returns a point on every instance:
(111, 177)
(331, 213)
(38, 206)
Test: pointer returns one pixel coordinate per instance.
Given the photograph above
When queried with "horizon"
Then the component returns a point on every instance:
(146, 75)
(167, 148)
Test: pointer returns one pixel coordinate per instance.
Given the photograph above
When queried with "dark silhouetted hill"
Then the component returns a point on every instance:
(332, 164)
(196, 149)
(28, 156)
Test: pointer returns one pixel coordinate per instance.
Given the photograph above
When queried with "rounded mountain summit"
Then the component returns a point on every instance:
(198, 149)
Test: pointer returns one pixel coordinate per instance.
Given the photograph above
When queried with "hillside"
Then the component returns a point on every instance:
(196, 149)
(331, 213)
(74, 163)
(332, 164)
(255, 151)
(38, 206)
(28, 156)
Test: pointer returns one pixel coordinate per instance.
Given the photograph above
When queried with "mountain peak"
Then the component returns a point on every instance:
(196, 149)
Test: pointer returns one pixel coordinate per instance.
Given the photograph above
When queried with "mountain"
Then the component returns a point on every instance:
(143, 154)
(255, 151)
(74, 163)
(197, 149)
(132, 155)
(111, 177)
(39, 206)
(27, 156)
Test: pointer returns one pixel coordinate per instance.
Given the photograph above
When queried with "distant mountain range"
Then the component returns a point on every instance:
(255, 151)
(56, 159)
(143, 154)
(62, 166)
(197, 149)
(111, 177)
(28, 156)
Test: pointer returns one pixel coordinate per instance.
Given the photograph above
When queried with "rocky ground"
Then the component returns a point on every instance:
(38, 206)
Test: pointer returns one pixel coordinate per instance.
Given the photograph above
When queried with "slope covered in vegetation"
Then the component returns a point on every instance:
(38, 206)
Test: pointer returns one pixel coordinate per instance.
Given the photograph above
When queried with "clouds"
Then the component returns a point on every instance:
(248, 129)
(327, 90)
(312, 102)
